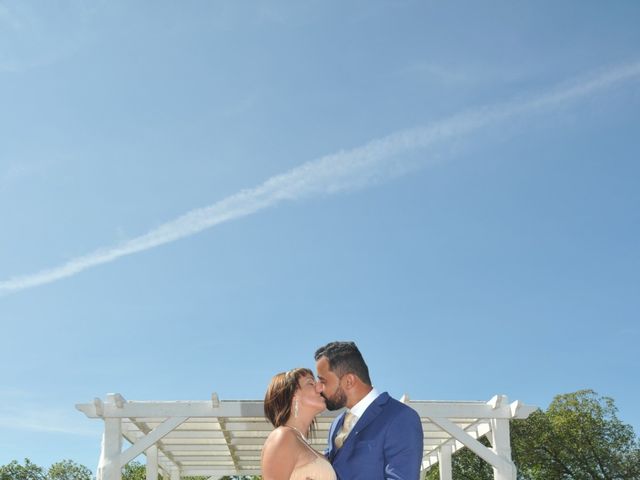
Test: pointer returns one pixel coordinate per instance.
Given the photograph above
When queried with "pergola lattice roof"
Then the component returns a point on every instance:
(216, 438)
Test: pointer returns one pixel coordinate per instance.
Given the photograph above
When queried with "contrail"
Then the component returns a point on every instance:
(359, 167)
(43, 420)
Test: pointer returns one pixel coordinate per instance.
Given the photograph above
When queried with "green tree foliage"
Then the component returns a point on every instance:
(28, 471)
(137, 471)
(243, 477)
(68, 470)
(466, 465)
(64, 470)
(579, 437)
(134, 471)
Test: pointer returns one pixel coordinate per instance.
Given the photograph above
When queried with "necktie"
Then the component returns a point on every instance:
(349, 421)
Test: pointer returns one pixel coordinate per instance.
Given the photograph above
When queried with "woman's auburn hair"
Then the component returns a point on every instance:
(279, 396)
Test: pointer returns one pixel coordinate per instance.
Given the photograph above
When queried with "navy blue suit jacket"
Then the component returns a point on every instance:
(385, 443)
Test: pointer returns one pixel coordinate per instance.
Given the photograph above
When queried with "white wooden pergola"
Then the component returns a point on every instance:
(215, 438)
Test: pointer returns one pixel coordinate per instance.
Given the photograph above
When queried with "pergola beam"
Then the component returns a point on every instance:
(228, 440)
(240, 409)
(150, 439)
(217, 438)
(476, 430)
(474, 445)
(134, 430)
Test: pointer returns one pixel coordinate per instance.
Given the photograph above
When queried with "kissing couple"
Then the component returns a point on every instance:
(376, 438)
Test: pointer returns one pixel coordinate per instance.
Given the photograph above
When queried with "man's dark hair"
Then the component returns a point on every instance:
(344, 357)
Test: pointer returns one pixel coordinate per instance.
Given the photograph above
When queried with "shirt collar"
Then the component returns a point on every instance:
(359, 408)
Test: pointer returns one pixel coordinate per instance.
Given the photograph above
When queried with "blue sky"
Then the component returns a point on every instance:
(196, 195)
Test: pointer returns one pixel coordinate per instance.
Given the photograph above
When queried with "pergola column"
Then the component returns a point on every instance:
(444, 463)
(152, 463)
(501, 445)
(112, 446)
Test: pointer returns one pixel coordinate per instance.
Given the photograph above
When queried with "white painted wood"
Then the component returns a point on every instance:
(99, 406)
(101, 460)
(215, 438)
(118, 400)
(111, 467)
(152, 463)
(470, 442)
(520, 410)
(501, 446)
(150, 439)
(444, 461)
(229, 441)
(476, 430)
(193, 409)
(470, 410)
(496, 401)
(134, 432)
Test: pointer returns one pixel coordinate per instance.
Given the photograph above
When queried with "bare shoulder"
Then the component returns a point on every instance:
(280, 454)
(281, 439)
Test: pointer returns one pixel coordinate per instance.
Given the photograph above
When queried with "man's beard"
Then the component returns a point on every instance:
(338, 400)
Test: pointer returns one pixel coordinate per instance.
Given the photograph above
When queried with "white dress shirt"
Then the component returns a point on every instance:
(359, 408)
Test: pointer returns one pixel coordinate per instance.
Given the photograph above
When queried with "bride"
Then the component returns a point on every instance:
(291, 403)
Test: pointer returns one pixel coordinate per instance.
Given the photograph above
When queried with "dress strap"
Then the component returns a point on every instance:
(302, 439)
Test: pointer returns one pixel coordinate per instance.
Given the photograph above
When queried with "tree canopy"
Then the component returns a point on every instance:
(136, 471)
(63, 470)
(68, 470)
(16, 471)
(579, 437)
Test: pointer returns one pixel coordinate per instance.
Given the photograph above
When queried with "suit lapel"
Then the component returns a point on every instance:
(369, 415)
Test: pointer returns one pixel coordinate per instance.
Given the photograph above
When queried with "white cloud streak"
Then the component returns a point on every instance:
(23, 410)
(359, 167)
(44, 420)
(39, 34)
(19, 172)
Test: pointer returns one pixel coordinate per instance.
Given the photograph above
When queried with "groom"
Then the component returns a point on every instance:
(377, 438)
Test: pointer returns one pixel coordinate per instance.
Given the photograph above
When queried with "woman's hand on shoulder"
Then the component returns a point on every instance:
(280, 454)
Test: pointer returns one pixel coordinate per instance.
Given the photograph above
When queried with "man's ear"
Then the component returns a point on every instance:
(349, 381)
